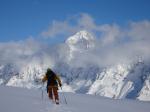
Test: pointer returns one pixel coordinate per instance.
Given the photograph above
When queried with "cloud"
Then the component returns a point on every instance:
(110, 33)
(114, 44)
(82, 21)
(23, 53)
(57, 28)
(69, 26)
(85, 21)
(139, 30)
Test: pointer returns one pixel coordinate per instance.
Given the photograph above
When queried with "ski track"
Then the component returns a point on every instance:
(52, 107)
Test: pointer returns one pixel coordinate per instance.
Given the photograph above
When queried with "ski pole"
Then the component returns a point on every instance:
(42, 90)
(64, 96)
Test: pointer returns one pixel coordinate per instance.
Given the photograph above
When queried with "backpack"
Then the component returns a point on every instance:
(51, 76)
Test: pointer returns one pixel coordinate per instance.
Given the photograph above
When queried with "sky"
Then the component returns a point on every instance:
(34, 31)
(22, 19)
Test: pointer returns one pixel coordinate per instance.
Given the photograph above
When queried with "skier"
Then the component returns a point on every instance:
(53, 81)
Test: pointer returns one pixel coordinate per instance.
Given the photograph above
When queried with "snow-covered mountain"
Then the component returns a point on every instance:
(144, 94)
(79, 43)
(80, 73)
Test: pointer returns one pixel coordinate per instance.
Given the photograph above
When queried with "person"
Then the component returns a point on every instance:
(53, 81)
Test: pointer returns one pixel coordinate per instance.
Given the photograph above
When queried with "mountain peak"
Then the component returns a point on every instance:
(80, 41)
(80, 36)
(84, 34)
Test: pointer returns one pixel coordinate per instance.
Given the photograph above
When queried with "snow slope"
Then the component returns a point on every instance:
(144, 94)
(23, 100)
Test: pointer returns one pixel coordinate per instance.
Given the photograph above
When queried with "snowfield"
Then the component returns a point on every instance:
(24, 100)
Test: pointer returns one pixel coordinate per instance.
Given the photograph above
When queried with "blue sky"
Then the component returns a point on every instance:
(20, 19)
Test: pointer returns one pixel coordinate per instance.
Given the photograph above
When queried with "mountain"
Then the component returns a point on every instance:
(23, 100)
(145, 91)
(7, 72)
(80, 72)
(80, 42)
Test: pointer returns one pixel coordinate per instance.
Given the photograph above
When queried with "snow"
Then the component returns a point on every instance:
(80, 42)
(110, 82)
(82, 36)
(23, 100)
(145, 92)
(1, 81)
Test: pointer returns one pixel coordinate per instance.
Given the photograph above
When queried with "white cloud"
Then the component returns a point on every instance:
(139, 30)
(70, 26)
(115, 44)
(110, 33)
(57, 28)
(25, 52)
(83, 21)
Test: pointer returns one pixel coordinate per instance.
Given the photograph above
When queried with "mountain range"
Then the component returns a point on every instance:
(79, 63)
